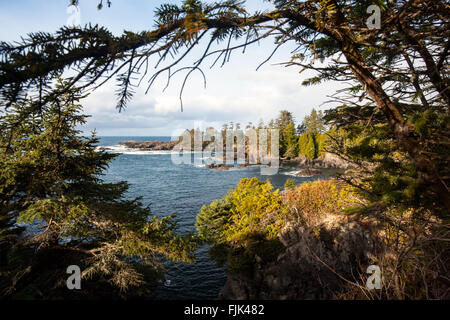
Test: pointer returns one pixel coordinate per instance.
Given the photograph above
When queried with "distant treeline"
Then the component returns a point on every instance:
(308, 137)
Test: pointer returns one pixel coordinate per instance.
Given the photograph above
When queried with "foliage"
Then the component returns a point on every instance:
(395, 108)
(247, 222)
(314, 122)
(313, 199)
(414, 227)
(387, 174)
(289, 184)
(244, 224)
(290, 140)
(312, 140)
(410, 52)
(212, 220)
(50, 181)
(253, 208)
(257, 208)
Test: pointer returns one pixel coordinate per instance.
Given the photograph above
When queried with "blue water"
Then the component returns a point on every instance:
(169, 188)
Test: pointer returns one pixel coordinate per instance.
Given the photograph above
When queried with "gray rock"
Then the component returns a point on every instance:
(150, 145)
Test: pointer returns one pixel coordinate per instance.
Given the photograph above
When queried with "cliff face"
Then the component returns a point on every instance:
(315, 259)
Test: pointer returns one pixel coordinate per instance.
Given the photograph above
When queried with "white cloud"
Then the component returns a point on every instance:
(234, 92)
(240, 96)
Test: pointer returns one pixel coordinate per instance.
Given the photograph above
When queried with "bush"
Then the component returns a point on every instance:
(291, 152)
(316, 198)
(256, 208)
(253, 208)
(212, 219)
(289, 184)
(289, 145)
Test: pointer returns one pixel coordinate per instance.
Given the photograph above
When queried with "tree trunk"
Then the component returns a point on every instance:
(404, 133)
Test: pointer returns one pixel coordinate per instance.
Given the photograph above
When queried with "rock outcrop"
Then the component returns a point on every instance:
(222, 166)
(219, 166)
(315, 259)
(308, 172)
(150, 145)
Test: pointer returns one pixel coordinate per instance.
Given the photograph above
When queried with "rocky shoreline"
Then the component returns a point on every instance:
(221, 166)
(307, 172)
(306, 167)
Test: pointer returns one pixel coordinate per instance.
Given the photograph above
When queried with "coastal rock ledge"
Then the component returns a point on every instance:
(328, 160)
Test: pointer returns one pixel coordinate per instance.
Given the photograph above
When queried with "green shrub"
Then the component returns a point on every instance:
(289, 184)
(212, 219)
(256, 208)
(252, 208)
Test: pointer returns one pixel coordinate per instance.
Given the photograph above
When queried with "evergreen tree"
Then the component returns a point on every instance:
(322, 141)
(286, 135)
(307, 145)
(314, 122)
(368, 58)
(284, 119)
(301, 129)
(291, 141)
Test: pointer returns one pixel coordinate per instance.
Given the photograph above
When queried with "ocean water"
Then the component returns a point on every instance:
(184, 188)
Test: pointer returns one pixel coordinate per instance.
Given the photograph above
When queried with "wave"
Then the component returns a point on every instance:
(125, 150)
(294, 174)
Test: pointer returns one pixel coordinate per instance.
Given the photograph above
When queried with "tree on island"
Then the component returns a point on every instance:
(312, 138)
(290, 141)
(307, 145)
(285, 124)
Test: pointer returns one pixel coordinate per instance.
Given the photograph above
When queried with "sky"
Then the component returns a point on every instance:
(235, 92)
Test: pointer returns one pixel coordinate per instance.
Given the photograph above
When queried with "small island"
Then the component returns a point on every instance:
(150, 145)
